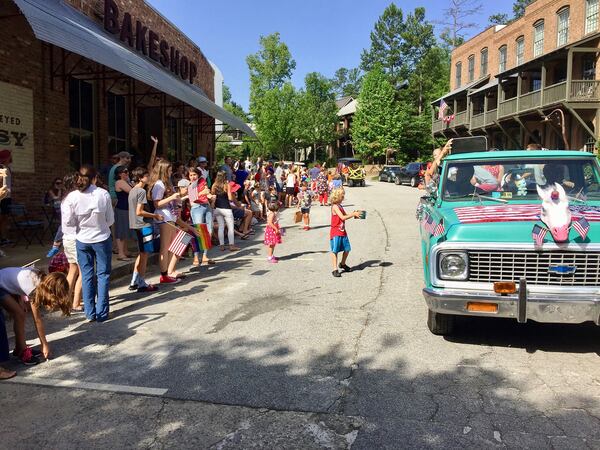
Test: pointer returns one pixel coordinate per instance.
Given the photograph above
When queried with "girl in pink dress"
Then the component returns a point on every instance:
(272, 231)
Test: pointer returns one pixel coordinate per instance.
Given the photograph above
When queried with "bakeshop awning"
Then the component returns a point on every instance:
(55, 22)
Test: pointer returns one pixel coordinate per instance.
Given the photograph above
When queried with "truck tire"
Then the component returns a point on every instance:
(363, 183)
(440, 324)
(413, 182)
(350, 183)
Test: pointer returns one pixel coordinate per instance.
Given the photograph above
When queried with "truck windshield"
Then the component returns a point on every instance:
(517, 180)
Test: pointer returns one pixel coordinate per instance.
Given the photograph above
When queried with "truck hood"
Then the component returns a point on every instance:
(510, 227)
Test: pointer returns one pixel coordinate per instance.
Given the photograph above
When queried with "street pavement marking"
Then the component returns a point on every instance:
(261, 258)
(157, 392)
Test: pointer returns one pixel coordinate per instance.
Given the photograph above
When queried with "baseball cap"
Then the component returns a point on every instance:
(202, 159)
(234, 186)
(123, 155)
(183, 183)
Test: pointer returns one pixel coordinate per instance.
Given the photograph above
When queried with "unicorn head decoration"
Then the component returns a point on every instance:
(556, 214)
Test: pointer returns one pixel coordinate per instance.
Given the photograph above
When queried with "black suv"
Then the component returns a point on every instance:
(412, 174)
(388, 173)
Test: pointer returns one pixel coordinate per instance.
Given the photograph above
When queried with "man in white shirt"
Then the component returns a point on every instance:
(89, 209)
(248, 164)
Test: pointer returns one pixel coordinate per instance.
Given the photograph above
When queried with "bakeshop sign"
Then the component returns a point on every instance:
(16, 125)
(147, 42)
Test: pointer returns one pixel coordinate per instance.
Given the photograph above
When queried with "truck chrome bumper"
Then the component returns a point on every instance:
(545, 308)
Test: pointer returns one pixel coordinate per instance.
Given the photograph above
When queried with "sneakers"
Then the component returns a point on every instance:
(165, 279)
(336, 273)
(133, 287)
(149, 288)
(306, 228)
(27, 357)
(53, 252)
(272, 260)
(345, 268)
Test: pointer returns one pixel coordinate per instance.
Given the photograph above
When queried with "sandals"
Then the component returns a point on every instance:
(177, 275)
(233, 248)
(210, 262)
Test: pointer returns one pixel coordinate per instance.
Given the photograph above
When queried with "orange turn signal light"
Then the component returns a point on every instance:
(505, 287)
(482, 307)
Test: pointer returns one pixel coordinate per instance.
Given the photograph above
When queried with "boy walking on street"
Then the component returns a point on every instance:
(139, 221)
(304, 203)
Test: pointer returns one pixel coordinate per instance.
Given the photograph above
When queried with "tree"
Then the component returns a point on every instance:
(271, 67)
(317, 112)
(457, 19)
(386, 44)
(377, 124)
(499, 19)
(346, 82)
(231, 106)
(518, 12)
(273, 100)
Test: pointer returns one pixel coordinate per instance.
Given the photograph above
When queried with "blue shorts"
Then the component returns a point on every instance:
(340, 244)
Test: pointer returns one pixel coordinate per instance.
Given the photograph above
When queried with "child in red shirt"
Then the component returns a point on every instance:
(338, 237)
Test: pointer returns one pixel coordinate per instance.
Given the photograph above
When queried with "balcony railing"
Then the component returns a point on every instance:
(585, 91)
(478, 121)
(530, 100)
(438, 125)
(555, 93)
(461, 118)
(507, 107)
(491, 116)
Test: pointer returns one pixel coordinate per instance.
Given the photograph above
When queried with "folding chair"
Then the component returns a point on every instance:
(25, 227)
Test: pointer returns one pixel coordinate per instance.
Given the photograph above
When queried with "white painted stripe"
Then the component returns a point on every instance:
(88, 385)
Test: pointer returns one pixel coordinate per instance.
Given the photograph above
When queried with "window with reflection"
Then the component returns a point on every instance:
(81, 122)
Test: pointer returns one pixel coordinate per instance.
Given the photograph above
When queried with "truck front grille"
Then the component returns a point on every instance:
(494, 265)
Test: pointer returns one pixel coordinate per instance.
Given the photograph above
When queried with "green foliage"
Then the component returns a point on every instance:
(499, 19)
(346, 82)
(519, 7)
(377, 123)
(316, 117)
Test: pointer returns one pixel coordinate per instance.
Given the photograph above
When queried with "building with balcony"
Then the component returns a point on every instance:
(531, 81)
(347, 108)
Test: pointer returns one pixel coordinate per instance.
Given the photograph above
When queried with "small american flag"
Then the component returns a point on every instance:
(443, 108)
(439, 229)
(582, 226)
(428, 223)
(180, 243)
(538, 233)
(193, 191)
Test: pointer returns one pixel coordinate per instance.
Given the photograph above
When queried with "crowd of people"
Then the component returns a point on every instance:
(157, 206)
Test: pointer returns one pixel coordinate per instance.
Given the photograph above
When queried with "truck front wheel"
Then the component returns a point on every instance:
(440, 324)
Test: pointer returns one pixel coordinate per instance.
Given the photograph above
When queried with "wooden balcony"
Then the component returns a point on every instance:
(490, 117)
(461, 118)
(580, 91)
(438, 125)
(477, 121)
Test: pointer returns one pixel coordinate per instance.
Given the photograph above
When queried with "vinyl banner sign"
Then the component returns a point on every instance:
(16, 125)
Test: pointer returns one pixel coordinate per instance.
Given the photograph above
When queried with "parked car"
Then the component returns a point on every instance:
(388, 173)
(512, 234)
(412, 174)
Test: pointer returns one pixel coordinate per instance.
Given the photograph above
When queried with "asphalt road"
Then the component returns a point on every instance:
(251, 354)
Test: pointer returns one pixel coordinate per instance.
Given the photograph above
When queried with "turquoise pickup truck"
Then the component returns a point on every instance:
(512, 234)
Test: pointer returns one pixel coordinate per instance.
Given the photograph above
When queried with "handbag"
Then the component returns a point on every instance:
(298, 217)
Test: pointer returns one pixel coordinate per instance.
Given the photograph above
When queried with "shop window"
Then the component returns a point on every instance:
(589, 67)
(591, 16)
(191, 141)
(174, 138)
(117, 123)
(502, 59)
(458, 80)
(484, 63)
(520, 50)
(562, 31)
(538, 38)
(81, 122)
(471, 68)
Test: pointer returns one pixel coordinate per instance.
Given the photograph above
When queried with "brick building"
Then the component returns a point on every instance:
(531, 81)
(83, 79)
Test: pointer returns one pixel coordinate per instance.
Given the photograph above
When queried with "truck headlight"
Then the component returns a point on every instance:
(454, 266)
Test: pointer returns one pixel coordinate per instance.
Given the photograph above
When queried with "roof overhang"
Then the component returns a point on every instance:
(57, 23)
(473, 84)
(350, 108)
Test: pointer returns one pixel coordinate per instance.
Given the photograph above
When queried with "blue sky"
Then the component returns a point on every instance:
(323, 35)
